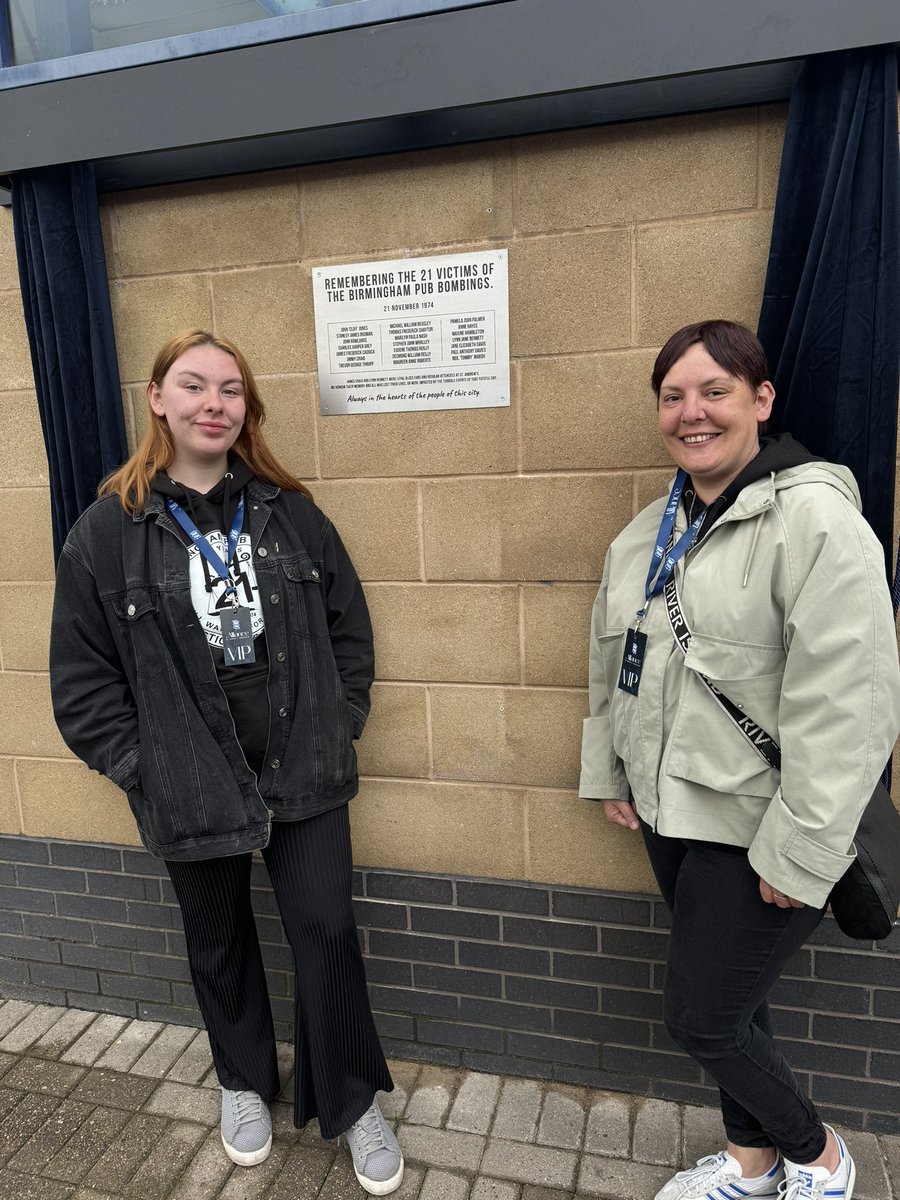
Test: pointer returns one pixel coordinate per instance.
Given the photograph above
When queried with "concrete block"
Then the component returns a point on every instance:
(526, 736)
(9, 272)
(64, 799)
(25, 610)
(378, 521)
(703, 1133)
(167, 1160)
(146, 312)
(589, 412)
(443, 442)
(194, 226)
(429, 198)
(63, 1033)
(41, 1019)
(425, 826)
(570, 293)
(694, 270)
(557, 619)
(446, 632)
(25, 514)
(116, 1167)
(23, 457)
(494, 1189)
(570, 840)
(207, 1173)
(395, 739)
(534, 529)
(772, 118)
(430, 1101)
(284, 341)
(10, 818)
(442, 1185)
(15, 355)
(26, 716)
(194, 1064)
(290, 425)
(637, 171)
(162, 1054)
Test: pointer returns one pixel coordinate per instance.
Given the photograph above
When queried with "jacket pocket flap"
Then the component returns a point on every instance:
(134, 603)
(301, 570)
(722, 658)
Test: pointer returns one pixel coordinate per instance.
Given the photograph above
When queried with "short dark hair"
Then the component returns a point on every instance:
(733, 346)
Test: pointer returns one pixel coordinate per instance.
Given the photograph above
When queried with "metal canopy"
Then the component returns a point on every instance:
(502, 69)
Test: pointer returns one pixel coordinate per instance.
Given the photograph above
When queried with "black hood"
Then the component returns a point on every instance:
(775, 454)
(213, 509)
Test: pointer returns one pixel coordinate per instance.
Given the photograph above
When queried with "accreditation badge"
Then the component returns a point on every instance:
(632, 661)
(237, 636)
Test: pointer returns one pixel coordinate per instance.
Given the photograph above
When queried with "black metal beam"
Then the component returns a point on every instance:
(506, 68)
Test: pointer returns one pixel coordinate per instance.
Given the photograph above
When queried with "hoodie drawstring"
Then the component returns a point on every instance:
(759, 521)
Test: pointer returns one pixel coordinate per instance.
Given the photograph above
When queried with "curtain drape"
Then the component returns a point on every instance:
(65, 292)
(830, 317)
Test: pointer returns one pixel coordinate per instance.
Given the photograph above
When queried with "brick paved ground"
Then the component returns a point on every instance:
(98, 1107)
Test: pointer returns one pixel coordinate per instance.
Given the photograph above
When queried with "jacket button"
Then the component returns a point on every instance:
(282, 712)
(275, 764)
(281, 656)
(262, 551)
(314, 573)
(131, 610)
(274, 598)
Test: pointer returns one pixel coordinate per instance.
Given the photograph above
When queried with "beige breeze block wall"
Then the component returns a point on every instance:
(479, 534)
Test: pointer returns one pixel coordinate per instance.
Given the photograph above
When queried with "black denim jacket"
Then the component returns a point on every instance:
(134, 686)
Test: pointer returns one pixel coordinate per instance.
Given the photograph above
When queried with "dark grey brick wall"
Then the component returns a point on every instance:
(553, 983)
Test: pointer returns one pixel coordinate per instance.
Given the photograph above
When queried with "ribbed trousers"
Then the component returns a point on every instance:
(338, 1060)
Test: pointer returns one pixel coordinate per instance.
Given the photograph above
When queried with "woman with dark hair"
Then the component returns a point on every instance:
(747, 613)
(211, 654)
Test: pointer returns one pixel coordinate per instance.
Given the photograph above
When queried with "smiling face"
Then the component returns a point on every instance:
(709, 420)
(201, 398)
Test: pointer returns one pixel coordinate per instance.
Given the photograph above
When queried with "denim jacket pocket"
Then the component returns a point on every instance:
(302, 586)
(137, 618)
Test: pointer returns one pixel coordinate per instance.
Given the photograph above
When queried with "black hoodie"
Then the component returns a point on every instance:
(244, 686)
(775, 454)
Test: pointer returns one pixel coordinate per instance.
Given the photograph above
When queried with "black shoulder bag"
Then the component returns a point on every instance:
(865, 900)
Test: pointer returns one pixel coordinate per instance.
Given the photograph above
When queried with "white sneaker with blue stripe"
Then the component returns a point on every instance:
(803, 1182)
(719, 1177)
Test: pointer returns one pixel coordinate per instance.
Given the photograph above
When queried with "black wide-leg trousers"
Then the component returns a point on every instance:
(338, 1060)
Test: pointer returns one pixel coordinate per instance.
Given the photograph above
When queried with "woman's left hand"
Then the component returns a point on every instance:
(771, 895)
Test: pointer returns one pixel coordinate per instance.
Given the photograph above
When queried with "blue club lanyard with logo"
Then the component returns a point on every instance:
(237, 636)
(662, 564)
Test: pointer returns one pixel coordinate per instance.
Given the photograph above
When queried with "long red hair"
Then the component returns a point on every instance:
(131, 482)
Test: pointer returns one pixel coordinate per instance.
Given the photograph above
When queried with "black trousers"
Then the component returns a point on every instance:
(338, 1061)
(726, 951)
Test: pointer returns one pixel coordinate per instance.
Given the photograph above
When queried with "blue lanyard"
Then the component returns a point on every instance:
(218, 565)
(662, 564)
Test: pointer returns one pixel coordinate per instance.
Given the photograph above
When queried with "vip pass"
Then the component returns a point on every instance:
(662, 567)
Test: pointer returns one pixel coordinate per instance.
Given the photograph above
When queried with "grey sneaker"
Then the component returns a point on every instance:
(377, 1160)
(246, 1127)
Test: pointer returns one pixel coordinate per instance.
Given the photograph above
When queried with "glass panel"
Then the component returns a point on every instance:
(47, 29)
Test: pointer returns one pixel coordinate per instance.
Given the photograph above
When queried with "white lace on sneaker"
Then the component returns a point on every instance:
(802, 1182)
(377, 1161)
(719, 1177)
(246, 1127)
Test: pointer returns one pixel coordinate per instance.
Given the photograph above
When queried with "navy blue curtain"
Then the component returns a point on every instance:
(65, 291)
(830, 317)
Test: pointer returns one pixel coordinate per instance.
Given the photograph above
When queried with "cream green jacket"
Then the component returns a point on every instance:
(791, 618)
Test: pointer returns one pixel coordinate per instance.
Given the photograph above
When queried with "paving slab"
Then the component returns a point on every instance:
(518, 1110)
(245, 1183)
(129, 1045)
(41, 1018)
(168, 1160)
(303, 1174)
(601, 1176)
(116, 1165)
(703, 1133)
(563, 1119)
(60, 1036)
(404, 1076)
(11, 1013)
(542, 1165)
(657, 1133)
(494, 1189)
(62, 1123)
(207, 1173)
(475, 1103)
(430, 1100)
(195, 1062)
(115, 1089)
(891, 1147)
(96, 1135)
(21, 1121)
(164, 1051)
(441, 1147)
(871, 1171)
(98, 1036)
(24, 1187)
(444, 1185)
(185, 1103)
(609, 1126)
(43, 1075)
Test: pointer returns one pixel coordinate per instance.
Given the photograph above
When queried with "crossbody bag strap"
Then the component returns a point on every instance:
(764, 745)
